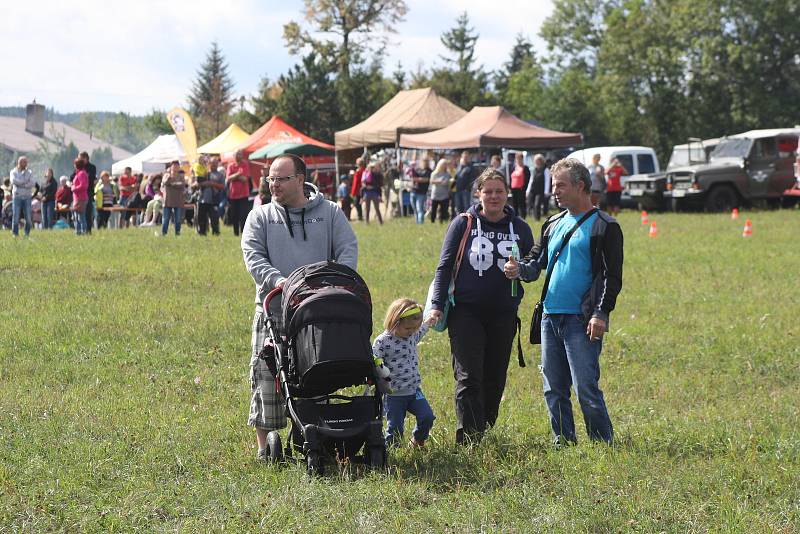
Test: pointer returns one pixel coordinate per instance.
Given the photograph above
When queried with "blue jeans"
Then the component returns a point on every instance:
(21, 206)
(396, 407)
(418, 200)
(48, 214)
(168, 214)
(461, 199)
(80, 222)
(569, 358)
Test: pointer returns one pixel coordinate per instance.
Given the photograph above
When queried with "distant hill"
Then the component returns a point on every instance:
(130, 132)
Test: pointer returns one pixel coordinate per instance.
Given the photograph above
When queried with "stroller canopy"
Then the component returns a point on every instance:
(325, 291)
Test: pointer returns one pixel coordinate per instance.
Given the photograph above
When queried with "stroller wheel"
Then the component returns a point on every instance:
(314, 464)
(274, 445)
(377, 457)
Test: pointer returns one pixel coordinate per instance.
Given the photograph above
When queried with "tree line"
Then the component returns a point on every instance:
(650, 72)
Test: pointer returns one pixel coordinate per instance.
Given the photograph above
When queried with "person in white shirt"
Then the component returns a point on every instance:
(22, 185)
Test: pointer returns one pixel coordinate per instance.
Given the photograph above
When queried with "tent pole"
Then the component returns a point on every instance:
(336, 165)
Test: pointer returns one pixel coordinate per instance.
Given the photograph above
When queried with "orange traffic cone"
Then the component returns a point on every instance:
(735, 214)
(653, 230)
(645, 220)
(748, 229)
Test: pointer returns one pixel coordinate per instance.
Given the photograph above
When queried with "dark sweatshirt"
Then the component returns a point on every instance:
(480, 282)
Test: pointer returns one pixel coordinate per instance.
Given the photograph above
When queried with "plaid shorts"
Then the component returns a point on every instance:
(266, 404)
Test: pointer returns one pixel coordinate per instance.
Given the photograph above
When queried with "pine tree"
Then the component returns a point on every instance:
(399, 78)
(522, 57)
(307, 98)
(211, 100)
(465, 84)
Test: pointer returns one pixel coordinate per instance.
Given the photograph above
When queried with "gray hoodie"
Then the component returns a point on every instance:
(316, 232)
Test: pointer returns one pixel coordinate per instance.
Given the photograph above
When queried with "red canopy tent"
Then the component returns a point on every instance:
(276, 130)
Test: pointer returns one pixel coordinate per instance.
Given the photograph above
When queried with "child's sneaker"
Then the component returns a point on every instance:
(261, 455)
(414, 444)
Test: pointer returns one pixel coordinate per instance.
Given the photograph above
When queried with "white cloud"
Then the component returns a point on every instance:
(138, 55)
(496, 22)
(133, 56)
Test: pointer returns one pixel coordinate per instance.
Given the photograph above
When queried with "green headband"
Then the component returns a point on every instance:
(413, 310)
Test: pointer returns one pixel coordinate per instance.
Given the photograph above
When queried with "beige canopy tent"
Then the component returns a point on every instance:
(413, 111)
(490, 127)
(228, 140)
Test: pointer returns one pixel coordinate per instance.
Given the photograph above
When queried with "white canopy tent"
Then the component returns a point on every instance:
(153, 158)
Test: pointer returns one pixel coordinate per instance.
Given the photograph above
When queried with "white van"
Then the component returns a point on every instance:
(635, 159)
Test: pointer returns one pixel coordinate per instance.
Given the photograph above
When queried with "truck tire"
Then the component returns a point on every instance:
(722, 198)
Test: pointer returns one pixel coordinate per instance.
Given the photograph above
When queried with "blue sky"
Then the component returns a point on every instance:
(134, 56)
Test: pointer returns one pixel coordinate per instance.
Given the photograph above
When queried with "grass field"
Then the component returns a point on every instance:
(124, 394)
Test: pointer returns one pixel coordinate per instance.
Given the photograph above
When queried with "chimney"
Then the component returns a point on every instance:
(34, 118)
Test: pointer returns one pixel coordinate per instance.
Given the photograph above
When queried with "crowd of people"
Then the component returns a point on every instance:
(579, 251)
(84, 201)
(211, 192)
(441, 189)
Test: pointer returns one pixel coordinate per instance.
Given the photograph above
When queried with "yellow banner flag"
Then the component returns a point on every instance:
(183, 126)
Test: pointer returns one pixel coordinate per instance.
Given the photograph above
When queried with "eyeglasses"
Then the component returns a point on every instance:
(280, 179)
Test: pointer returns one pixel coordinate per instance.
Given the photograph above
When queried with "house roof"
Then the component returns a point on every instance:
(13, 136)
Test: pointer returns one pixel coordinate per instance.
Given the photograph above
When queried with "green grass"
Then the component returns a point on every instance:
(103, 428)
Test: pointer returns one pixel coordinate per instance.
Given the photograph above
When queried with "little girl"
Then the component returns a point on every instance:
(397, 346)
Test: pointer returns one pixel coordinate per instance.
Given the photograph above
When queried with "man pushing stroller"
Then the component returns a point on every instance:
(297, 228)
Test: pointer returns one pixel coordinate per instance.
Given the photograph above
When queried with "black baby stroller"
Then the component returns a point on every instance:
(322, 346)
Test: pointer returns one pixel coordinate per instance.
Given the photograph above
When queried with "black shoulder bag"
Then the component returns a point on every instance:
(536, 320)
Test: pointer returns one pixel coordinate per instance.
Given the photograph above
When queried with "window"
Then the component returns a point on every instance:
(627, 162)
(646, 163)
(765, 148)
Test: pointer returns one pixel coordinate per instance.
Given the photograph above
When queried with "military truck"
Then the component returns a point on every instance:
(648, 190)
(750, 168)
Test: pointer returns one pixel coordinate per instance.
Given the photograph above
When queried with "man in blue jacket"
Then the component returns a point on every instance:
(583, 289)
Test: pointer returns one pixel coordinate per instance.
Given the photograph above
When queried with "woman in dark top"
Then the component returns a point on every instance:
(483, 320)
(49, 200)
(421, 178)
(540, 174)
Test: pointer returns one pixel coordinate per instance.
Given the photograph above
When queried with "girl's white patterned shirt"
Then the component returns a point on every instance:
(401, 357)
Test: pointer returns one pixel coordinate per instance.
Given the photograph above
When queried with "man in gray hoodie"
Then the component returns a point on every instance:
(22, 185)
(298, 227)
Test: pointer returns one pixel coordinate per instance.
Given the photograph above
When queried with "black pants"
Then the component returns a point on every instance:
(480, 343)
(237, 213)
(204, 213)
(89, 214)
(518, 202)
(539, 206)
(357, 205)
(440, 205)
(102, 218)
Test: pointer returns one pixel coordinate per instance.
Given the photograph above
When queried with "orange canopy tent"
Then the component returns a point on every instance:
(276, 130)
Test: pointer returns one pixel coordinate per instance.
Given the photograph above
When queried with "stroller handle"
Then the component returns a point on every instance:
(270, 296)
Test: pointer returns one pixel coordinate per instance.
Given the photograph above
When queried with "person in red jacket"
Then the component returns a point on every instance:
(355, 190)
(614, 173)
(238, 182)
